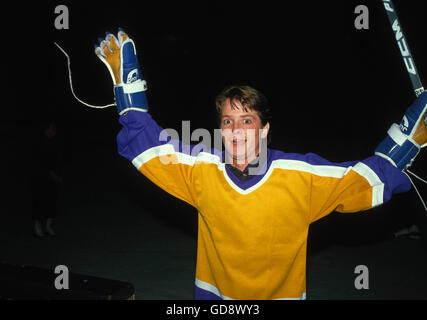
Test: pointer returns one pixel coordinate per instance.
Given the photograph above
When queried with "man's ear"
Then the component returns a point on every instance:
(264, 131)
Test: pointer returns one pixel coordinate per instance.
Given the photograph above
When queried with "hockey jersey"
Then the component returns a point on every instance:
(252, 234)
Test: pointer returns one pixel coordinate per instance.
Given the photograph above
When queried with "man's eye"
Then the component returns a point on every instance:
(227, 121)
(247, 121)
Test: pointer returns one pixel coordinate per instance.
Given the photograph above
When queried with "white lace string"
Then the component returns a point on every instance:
(419, 178)
(71, 84)
(416, 190)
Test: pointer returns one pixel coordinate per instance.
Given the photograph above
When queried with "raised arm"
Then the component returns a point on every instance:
(142, 140)
(357, 186)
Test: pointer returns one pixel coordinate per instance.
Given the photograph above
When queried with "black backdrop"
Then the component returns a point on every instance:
(334, 90)
(324, 78)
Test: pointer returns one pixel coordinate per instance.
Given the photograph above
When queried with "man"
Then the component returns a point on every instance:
(253, 224)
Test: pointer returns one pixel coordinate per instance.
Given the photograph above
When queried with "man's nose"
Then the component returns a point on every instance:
(237, 128)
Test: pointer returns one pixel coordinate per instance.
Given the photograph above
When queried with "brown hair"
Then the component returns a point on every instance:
(249, 98)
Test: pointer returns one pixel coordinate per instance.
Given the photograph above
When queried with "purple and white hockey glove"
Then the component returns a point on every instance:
(119, 55)
(403, 142)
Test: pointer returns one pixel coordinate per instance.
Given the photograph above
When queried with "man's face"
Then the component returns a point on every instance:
(241, 132)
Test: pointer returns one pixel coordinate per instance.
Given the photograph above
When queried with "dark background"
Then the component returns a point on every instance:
(334, 91)
(324, 79)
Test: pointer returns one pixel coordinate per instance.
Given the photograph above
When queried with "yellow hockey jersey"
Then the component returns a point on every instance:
(252, 234)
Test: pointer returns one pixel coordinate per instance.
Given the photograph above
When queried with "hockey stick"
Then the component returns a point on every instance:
(403, 46)
(410, 67)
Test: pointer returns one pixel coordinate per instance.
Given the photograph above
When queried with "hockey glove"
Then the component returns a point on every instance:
(119, 55)
(404, 141)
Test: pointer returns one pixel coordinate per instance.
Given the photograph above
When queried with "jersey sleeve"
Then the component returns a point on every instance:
(157, 156)
(353, 186)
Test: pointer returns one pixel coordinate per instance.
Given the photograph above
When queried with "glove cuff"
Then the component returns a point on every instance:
(131, 96)
(398, 148)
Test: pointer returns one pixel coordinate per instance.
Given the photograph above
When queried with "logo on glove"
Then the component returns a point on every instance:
(404, 124)
(132, 76)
